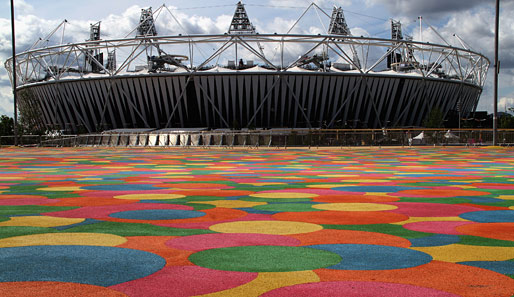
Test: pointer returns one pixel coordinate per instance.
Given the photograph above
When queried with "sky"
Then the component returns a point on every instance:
(472, 20)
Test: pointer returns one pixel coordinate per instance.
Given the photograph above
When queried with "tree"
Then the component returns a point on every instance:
(6, 126)
(506, 121)
(435, 119)
(30, 117)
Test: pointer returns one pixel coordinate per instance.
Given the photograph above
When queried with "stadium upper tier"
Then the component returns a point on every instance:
(245, 79)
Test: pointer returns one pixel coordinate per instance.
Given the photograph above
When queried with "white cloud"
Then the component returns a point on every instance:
(422, 7)
(6, 101)
(305, 3)
(22, 8)
(472, 20)
(505, 103)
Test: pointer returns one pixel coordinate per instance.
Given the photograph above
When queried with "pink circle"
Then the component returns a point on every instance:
(110, 194)
(494, 186)
(214, 241)
(99, 212)
(27, 201)
(436, 227)
(414, 209)
(181, 281)
(309, 191)
(355, 289)
(207, 225)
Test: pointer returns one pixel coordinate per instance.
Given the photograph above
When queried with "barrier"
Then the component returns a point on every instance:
(276, 138)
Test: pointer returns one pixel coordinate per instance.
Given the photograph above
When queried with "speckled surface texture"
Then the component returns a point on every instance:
(252, 222)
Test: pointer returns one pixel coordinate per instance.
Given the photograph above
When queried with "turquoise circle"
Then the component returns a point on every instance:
(374, 257)
(157, 214)
(492, 216)
(94, 265)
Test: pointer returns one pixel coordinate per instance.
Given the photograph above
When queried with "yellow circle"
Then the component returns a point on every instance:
(40, 221)
(354, 206)
(266, 227)
(463, 253)
(61, 189)
(96, 239)
(149, 196)
(11, 177)
(284, 195)
(506, 197)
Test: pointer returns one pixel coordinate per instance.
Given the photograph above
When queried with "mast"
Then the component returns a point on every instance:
(146, 24)
(395, 59)
(94, 57)
(240, 22)
(338, 26)
(241, 25)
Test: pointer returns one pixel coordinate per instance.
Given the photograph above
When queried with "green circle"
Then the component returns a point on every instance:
(265, 258)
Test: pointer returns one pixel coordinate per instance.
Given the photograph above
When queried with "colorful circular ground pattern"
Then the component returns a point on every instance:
(257, 222)
(265, 258)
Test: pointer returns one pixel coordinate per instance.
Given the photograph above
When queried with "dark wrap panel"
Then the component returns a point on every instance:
(234, 100)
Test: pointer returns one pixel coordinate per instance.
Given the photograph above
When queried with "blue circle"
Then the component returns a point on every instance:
(503, 267)
(482, 200)
(434, 240)
(374, 189)
(492, 216)
(94, 265)
(122, 187)
(374, 257)
(157, 214)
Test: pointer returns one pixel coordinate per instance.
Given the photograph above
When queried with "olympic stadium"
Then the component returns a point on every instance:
(244, 79)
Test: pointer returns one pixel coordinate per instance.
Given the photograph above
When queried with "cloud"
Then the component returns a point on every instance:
(472, 20)
(6, 101)
(425, 8)
(30, 28)
(476, 28)
(505, 103)
(306, 3)
(22, 8)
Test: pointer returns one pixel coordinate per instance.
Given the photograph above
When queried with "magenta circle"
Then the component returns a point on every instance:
(415, 209)
(222, 240)
(436, 227)
(182, 281)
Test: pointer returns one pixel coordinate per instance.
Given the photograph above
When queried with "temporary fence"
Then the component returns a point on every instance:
(275, 138)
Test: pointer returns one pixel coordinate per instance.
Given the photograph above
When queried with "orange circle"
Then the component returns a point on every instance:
(57, 289)
(501, 231)
(458, 279)
(437, 193)
(331, 236)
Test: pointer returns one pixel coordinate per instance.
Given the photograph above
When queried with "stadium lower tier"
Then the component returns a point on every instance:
(243, 100)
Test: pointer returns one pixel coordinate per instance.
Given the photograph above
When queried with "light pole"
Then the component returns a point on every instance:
(14, 78)
(496, 72)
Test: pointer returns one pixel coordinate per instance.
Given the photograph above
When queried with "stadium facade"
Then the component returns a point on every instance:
(245, 79)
